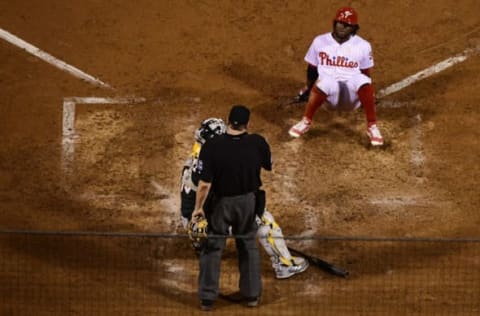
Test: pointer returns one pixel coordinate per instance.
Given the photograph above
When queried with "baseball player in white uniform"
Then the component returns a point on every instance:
(338, 75)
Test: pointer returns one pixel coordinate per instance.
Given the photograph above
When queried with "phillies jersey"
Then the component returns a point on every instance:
(339, 61)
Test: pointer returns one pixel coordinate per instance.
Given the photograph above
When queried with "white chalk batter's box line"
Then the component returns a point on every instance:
(69, 105)
(68, 123)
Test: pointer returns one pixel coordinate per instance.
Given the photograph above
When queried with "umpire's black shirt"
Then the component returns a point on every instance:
(232, 163)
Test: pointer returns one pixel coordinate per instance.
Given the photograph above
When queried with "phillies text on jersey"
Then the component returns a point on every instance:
(339, 61)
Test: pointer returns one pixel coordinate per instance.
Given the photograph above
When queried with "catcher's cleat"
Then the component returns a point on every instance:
(283, 271)
(373, 133)
(300, 128)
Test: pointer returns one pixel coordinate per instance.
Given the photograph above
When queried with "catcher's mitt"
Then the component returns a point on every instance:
(197, 231)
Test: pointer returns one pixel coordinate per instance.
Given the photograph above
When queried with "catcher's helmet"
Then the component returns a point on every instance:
(346, 15)
(209, 129)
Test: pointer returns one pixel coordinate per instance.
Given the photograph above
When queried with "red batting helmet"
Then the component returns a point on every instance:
(346, 15)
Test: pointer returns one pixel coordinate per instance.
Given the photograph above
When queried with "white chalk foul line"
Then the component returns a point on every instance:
(51, 59)
(426, 73)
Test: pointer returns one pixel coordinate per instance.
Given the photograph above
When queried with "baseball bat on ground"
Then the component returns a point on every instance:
(294, 100)
(322, 264)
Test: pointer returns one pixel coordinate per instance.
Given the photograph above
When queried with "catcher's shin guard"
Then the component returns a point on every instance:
(271, 238)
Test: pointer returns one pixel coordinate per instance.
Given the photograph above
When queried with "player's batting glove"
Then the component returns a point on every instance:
(303, 94)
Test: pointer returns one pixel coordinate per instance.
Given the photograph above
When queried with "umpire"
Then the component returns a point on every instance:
(229, 168)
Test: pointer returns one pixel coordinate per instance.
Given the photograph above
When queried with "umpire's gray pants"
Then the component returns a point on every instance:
(239, 213)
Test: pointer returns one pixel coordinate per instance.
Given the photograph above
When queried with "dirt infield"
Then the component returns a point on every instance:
(193, 59)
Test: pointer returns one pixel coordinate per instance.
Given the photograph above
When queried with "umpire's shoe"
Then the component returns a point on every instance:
(206, 305)
(253, 301)
(297, 266)
(239, 298)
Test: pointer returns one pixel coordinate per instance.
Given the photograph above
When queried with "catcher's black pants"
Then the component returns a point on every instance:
(237, 212)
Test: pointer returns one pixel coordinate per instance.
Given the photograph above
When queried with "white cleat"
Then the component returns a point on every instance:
(300, 128)
(373, 133)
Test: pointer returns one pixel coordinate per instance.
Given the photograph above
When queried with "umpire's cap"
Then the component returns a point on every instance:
(239, 115)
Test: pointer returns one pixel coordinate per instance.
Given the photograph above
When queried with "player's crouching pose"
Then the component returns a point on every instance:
(270, 235)
(338, 74)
